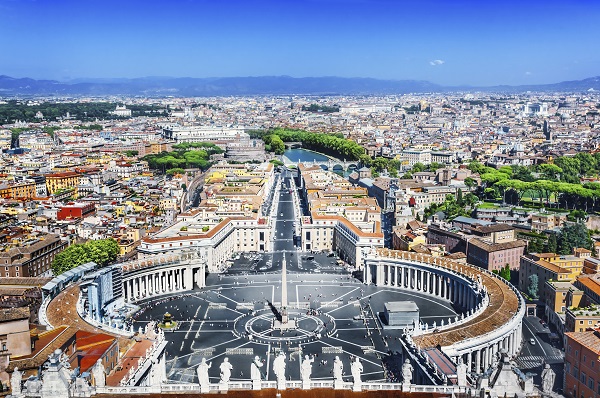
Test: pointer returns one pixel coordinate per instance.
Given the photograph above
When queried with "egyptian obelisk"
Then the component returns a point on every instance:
(284, 298)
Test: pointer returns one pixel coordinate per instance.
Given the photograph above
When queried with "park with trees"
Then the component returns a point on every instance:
(188, 155)
(14, 110)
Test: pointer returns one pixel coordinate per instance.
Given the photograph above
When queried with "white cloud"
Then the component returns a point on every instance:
(528, 73)
(436, 62)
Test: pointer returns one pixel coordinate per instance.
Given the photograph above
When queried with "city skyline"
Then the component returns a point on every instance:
(464, 43)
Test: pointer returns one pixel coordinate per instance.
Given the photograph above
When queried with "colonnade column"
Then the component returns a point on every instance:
(469, 361)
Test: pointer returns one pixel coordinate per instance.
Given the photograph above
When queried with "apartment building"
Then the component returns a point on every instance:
(411, 156)
(61, 181)
(19, 190)
(547, 221)
(548, 267)
(582, 364)
(580, 319)
(30, 257)
(495, 256)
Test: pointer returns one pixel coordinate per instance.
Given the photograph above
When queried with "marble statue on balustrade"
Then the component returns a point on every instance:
(99, 374)
(279, 370)
(202, 372)
(338, 373)
(338, 369)
(255, 373)
(407, 372)
(548, 377)
(306, 371)
(15, 381)
(356, 368)
(225, 368)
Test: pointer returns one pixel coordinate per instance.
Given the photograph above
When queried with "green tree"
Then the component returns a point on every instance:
(570, 168)
(433, 166)
(174, 171)
(549, 171)
(476, 167)
(535, 245)
(522, 173)
(587, 163)
(532, 288)
(102, 252)
(379, 164)
(552, 245)
(573, 235)
(505, 272)
(470, 183)
(418, 167)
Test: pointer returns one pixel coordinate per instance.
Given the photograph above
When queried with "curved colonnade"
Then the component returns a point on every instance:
(163, 274)
(494, 308)
(491, 310)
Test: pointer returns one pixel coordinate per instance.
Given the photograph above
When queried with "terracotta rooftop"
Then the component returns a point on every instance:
(128, 360)
(13, 314)
(494, 247)
(91, 347)
(589, 339)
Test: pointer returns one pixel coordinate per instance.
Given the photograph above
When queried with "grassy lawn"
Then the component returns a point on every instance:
(487, 205)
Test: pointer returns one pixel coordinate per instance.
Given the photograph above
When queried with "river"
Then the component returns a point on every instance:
(303, 155)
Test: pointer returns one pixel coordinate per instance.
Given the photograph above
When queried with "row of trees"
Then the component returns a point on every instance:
(393, 166)
(185, 155)
(102, 252)
(331, 144)
(511, 183)
(320, 108)
(15, 110)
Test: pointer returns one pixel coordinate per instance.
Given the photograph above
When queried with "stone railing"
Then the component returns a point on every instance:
(162, 260)
(290, 385)
(422, 329)
(43, 313)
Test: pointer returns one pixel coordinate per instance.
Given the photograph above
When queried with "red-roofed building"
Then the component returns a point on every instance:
(76, 210)
(94, 346)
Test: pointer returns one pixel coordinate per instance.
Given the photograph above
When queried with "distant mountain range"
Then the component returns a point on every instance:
(263, 85)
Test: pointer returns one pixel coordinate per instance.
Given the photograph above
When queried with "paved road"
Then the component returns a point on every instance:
(284, 217)
(543, 351)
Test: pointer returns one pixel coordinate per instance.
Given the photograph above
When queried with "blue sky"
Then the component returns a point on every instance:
(449, 42)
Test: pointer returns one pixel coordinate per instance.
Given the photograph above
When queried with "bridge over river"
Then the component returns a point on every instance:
(330, 164)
